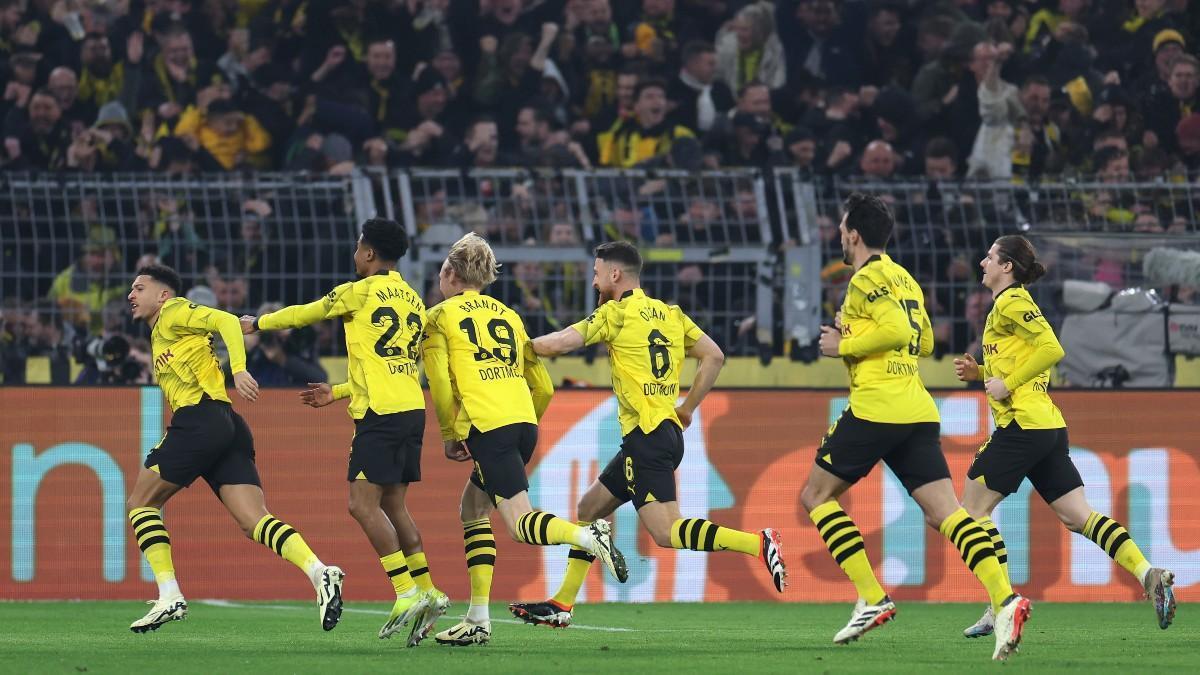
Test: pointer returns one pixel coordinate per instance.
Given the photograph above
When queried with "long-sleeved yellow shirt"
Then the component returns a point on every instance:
(250, 137)
(185, 365)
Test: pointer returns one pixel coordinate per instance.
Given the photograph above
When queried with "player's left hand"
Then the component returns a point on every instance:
(246, 385)
(685, 416)
(996, 389)
(830, 339)
(247, 322)
(456, 451)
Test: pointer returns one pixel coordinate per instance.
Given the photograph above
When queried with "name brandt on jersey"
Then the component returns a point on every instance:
(659, 389)
(483, 303)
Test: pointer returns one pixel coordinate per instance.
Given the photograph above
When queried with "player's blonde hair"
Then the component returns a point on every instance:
(473, 261)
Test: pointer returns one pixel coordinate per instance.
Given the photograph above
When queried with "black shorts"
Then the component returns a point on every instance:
(500, 457)
(644, 470)
(206, 440)
(913, 451)
(386, 449)
(1013, 454)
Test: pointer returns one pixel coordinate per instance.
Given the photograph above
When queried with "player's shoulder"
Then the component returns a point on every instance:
(1016, 303)
(170, 310)
(872, 281)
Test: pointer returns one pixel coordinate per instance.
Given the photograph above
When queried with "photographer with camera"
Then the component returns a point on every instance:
(283, 358)
(112, 357)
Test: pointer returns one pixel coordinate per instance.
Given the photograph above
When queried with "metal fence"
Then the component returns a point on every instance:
(753, 256)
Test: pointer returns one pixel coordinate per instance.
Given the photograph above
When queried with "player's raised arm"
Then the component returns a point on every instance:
(338, 302)
(561, 342)
(212, 320)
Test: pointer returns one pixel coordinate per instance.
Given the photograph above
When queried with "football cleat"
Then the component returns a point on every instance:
(164, 610)
(771, 553)
(329, 596)
(1158, 585)
(984, 626)
(406, 609)
(1010, 623)
(436, 605)
(465, 633)
(604, 549)
(548, 613)
(864, 618)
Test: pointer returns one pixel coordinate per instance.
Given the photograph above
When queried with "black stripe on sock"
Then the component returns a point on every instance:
(269, 531)
(544, 529)
(158, 527)
(580, 554)
(978, 557)
(477, 531)
(971, 540)
(482, 543)
(1002, 558)
(710, 538)
(154, 540)
(841, 557)
(681, 531)
(419, 571)
(830, 518)
(827, 535)
(282, 538)
(1099, 525)
(398, 571)
(693, 540)
(527, 527)
(1116, 545)
(843, 540)
(145, 518)
(1108, 531)
(482, 559)
(957, 529)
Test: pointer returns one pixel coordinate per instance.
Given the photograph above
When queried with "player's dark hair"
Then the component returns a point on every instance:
(163, 275)
(1017, 250)
(622, 253)
(870, 217)
(387, 237)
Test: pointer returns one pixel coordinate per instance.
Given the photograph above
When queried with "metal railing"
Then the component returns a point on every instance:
(753, 256)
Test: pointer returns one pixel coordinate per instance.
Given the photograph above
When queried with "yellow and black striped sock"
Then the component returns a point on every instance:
(287, 543)
(418, 567)
(579, 562)
(480, 546)
(152, 538)
(397, 570)
(977, 551)
(1116, 542)
(699, 534)
(845, 544)
(545, 529)
(997, 543)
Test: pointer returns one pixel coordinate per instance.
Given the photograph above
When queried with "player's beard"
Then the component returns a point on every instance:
(604, 297)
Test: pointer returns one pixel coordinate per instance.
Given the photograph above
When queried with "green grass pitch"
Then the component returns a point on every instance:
(93, 637)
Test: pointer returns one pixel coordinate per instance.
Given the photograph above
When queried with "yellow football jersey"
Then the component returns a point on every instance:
(1019, 347)
(384, 319)
(481, 367)
(185, 365)
(647, 340)
(885, 329)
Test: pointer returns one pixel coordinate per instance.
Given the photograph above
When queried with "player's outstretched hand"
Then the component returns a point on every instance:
(830, 339)
(246, 385)
(248, 324)
(318, 395)
(456, 451)
(685, 416)
(966, 369)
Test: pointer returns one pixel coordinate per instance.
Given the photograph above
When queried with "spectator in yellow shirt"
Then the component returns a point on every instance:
(228, 134)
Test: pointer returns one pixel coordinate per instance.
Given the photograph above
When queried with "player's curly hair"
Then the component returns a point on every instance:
(163, 275)
(473, 261)
(387, 237)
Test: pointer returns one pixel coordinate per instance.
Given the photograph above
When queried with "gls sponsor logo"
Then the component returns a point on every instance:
(877, 294)
(1030, 316)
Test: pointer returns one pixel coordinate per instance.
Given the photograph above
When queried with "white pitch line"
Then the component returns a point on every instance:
(380, 612)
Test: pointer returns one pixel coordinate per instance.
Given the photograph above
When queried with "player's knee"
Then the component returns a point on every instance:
(813, 496)
(1072, 521)
(131, 504)
(662, 537)
(360, 510)
(587, 512)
